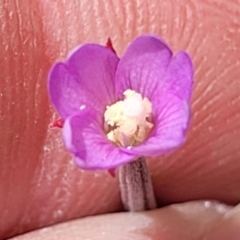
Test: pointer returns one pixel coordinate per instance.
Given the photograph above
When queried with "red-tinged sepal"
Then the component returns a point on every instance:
(112, 172)
(110, 45)
(57, 123)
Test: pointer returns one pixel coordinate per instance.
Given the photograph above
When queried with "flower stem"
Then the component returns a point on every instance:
(136, 186)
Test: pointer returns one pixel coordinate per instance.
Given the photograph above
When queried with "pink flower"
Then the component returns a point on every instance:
(93, 79)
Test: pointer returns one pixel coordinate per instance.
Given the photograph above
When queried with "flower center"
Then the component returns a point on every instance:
(128, 122)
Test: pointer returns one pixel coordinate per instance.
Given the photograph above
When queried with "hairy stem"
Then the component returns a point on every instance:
(136, 186)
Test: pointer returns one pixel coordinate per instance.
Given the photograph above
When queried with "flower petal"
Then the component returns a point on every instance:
(171, 119)
(180, 76)
(84, 137)
(64, 90)
(87, 78)
(143, 66)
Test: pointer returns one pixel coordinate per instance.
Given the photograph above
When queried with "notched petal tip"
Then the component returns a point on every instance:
(143, 66)
(87, 77)
(151, 42)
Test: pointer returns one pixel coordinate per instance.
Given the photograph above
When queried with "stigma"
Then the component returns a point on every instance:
(128, 122)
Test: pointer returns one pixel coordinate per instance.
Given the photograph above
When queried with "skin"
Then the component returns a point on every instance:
(41, 186)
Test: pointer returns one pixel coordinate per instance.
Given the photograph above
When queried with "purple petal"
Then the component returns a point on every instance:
(143, 66)
(180, 76)
(87, 78)
(171, 118)
(84, 137)
(64, 91)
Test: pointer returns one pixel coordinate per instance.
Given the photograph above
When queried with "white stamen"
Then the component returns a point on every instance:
(133, 107)
(128, 122)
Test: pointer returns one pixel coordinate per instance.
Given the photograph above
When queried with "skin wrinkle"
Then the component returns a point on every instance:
(16, 129)
(220, 130)
(227, 227)
(189, 221)
(34, 164)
